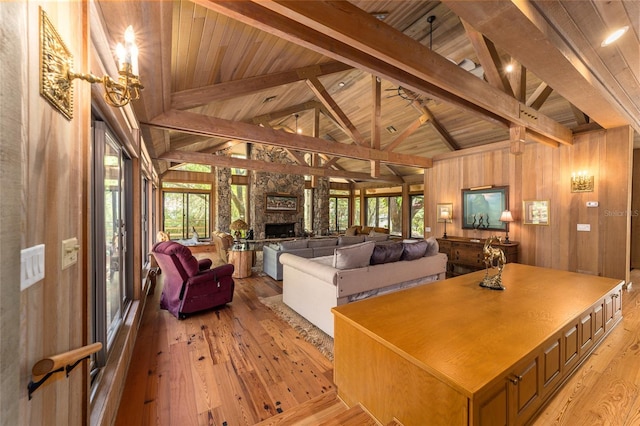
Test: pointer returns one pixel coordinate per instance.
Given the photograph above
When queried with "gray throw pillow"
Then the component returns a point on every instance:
(433, 247)
(414, 250)
(353, 256)
(386, 253)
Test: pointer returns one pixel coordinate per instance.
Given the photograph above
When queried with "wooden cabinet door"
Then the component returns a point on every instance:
(586, 325)
(525, 390)
(513, 399)
(598, 321)
(493, 406)
(570, 346)
(551, 365)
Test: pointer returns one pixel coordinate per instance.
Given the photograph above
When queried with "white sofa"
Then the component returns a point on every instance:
(312, 286)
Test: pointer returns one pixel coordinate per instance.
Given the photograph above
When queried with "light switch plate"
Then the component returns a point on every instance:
(584, 227)
(31, 266)
(69, 252)
(427, 229)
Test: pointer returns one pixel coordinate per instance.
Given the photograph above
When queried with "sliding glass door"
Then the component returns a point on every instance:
(110, 225)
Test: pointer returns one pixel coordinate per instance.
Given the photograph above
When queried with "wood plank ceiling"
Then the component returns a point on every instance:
(376, 82)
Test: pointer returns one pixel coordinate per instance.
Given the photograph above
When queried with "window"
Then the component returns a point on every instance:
(385, 212)
(190, 167)
(239, 172)
(112, 271)
(239, 198)
(308, 209)
(185, 211)
(338, 210)
(416, 216)
(356, 210)
(145, 222)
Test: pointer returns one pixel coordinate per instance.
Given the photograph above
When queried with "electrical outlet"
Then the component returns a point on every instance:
(427, 229)
(592, 204)
(69, 252)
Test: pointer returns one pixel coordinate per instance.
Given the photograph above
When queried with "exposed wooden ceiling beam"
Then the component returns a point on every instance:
(205, 125)
(489, 59)
(539, 96)
(567, 67)
(203, 95)
(257, 16)
(421, 107)
(411, 129)
(285, 112)
(518, 81)
(325, 98)
(264, 166)
(345, 22)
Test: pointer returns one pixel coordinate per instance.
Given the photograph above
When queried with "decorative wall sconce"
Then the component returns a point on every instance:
(580, 182)
(56, 71)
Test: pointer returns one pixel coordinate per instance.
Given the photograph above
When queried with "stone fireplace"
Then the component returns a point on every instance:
(263, 183)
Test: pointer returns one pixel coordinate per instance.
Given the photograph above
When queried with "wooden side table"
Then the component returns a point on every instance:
(242, 261)
(465, 254)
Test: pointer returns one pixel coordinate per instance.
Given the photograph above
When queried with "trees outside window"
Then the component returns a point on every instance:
(338, 213)
(185, 211)
(385, 212)
(416, 216)
(239, 197)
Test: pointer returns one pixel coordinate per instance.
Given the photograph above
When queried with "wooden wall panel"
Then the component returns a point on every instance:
(12, 67)
(544, 173)
(615, 231)
(55, 154)
(635, 211)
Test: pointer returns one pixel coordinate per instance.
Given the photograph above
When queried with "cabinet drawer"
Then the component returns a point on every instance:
(467, 257)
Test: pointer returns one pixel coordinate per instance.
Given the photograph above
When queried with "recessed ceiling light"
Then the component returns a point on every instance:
(269, 99)
(509, 68)
(341, 84)
(391, 129)
(614, 36)
(380, 15)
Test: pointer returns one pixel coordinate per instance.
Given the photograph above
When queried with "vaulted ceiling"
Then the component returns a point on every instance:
(376, 89)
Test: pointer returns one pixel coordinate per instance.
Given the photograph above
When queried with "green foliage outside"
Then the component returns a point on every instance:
(184, 211)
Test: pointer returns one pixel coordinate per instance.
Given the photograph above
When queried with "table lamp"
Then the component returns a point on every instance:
(444, 215)
(237, 226)
(506, 218)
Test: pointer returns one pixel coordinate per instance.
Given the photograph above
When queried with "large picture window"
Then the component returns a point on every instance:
(385, 212)
(239, 202)
(338, 210)
(185, 211)
(416, 216)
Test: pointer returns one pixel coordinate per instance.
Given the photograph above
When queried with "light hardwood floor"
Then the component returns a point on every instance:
(241, 365)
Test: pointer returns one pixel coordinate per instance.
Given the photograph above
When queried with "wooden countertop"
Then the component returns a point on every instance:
(467, 335)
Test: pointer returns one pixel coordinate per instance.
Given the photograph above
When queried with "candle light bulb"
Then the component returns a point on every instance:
(122, 53)
(129, 35)
(134, 60)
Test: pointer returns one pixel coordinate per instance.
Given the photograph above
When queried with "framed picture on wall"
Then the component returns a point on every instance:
(482, 207)
(281, 203)
(536, 212)
(444, 208)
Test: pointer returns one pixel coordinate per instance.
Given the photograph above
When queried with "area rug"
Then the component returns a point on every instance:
(308, 331)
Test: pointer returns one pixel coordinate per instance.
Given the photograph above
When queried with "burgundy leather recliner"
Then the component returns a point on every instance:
(189, 284)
